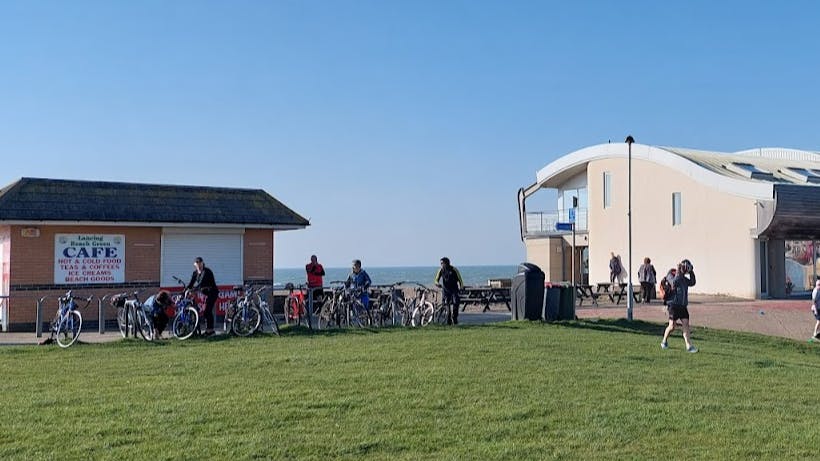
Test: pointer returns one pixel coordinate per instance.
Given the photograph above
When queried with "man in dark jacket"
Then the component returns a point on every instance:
(677, 305)
(203, 280)
(449, 279)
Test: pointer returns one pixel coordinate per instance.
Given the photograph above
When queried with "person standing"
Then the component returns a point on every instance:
(677, 305)
(815, 309)
(359, 282)
(315, 272)
(647, 277)
(450, 281)
(614, 268)
(202, 279)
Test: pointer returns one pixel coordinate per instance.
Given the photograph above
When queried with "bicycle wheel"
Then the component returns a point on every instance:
(69, 329)
(440, 315)
(246, 321)
(144, 325)
(359, 316)
(185, 323)
(121, 317)
(268, 319)
(422, 315)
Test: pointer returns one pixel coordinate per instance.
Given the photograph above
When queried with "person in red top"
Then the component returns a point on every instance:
(315, 271)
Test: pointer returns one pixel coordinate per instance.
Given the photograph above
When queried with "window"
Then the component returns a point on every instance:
(676, 211)
(750, 171)
(607, 189)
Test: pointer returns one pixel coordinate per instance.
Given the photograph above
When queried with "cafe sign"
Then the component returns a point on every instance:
(89, 258)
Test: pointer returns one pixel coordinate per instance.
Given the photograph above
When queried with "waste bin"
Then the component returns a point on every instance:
(552, 301)
(527, 293)
(566, 308)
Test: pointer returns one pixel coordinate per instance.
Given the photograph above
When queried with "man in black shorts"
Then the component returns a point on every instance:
(677, 305)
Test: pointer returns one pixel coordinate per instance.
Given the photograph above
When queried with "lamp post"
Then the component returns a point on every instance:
(630, 296)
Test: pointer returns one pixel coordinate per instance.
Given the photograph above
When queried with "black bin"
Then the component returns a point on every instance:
(552, 302)
(527, 293)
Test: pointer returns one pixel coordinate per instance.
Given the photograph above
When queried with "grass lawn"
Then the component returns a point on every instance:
(576, 390)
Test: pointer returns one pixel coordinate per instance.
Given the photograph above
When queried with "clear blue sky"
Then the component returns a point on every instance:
(402, 130)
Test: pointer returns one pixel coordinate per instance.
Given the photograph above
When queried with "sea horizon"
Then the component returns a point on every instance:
(473, 275)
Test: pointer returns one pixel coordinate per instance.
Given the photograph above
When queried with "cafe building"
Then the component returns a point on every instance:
(98, 238)
(749, 221)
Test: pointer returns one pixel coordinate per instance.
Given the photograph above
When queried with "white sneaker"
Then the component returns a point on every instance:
(664, 345)
(692, 349)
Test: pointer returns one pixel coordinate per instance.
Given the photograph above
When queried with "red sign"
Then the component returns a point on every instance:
(227, 296)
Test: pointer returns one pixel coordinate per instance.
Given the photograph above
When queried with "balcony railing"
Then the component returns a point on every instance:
(544, 222)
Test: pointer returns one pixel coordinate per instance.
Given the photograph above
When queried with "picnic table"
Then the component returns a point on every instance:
(585, 291)
(622, 293)
(615, 292)
(484, 296)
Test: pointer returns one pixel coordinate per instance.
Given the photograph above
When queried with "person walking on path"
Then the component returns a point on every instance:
(614, 268)
(450, 281)
(315, 272)
(202, 279)
(677, 305)
(815, 309)
(647, 277)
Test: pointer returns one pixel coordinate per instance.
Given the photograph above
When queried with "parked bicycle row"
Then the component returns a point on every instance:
(405, 303)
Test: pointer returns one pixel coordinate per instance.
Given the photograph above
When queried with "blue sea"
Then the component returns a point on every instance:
(472, 275)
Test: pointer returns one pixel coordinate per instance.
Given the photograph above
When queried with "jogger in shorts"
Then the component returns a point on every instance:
(677, 306)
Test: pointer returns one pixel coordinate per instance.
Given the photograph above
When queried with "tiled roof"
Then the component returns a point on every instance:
(34, 199)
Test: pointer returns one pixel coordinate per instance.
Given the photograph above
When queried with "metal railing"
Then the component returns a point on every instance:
(4, 313)
(544, 222)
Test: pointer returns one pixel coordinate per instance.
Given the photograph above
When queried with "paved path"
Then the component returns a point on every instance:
(785, 318)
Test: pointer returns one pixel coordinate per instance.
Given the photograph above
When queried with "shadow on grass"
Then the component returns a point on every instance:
(617, 326)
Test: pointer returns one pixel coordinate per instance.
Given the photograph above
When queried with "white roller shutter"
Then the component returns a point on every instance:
(221, 250)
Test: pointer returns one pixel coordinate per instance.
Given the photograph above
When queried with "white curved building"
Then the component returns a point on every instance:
(749, 220)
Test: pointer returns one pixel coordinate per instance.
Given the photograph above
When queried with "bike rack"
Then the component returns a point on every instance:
(38, 328)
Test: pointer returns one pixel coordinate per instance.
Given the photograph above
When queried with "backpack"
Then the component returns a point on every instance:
(615, 265)
(667, 291)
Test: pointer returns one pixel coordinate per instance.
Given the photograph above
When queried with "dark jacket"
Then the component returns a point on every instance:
(681, 284)
(204, 281)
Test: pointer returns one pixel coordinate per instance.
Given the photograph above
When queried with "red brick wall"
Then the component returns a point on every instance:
(33, 258)
(32, 263)
(258, 256)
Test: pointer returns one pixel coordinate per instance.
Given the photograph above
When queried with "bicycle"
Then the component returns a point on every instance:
(186, 319)
(245, 315)
(333, 310)
(67, 323)
(295, 306)
(344, 308)
(423, 308)
(268, 319)
(131, 316)
(443, 312)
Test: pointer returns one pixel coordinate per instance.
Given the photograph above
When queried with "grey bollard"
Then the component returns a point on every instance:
(38, 327)
(101, 316)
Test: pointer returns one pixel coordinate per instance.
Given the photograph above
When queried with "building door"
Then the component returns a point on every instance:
(764, 268)
(221, 250)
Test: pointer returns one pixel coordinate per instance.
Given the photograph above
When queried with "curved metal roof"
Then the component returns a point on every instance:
(751, 173)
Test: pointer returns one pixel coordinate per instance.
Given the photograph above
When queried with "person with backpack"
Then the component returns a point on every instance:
(450, 281)
(157, 308)
(647, 277)
(614, 268)
(666, 285)
(677, 304)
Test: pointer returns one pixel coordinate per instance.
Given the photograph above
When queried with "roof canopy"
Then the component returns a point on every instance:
(34, 200)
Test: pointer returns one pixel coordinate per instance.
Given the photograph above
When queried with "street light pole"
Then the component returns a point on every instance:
(630, 293)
